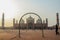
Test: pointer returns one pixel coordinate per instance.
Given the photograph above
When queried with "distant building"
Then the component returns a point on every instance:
(30, 24)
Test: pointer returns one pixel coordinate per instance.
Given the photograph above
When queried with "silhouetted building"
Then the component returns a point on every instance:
(3, 20)
(30, 24)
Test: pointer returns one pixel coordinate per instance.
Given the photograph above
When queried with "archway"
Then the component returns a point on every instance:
(34, 14)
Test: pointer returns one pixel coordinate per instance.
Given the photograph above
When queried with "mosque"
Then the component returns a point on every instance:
(30, 23)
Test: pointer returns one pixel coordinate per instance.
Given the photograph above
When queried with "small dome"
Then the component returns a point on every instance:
(30, 18)
(22, 21)
(38, 21)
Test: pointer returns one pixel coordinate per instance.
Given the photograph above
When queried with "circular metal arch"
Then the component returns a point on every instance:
(31, 13)
(27, 14)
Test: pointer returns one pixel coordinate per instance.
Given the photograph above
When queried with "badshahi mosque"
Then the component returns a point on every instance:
(30, 23)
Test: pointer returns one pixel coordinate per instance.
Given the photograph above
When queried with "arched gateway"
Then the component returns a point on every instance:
(30, 23)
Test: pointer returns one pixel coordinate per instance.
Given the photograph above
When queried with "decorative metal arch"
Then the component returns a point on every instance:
(34, 14)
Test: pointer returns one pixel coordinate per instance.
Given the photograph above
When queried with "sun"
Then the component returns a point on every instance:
(11, 9)
(8, 8)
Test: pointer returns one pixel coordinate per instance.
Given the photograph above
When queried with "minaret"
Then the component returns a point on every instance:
(13, 22)
(3, 20)
(43, 23)
(57, 18)
(46, 22)
(16, 23)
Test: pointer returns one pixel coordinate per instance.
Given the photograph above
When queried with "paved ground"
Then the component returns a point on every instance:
(28, 35)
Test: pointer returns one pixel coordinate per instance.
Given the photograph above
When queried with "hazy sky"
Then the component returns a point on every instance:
(16, 8)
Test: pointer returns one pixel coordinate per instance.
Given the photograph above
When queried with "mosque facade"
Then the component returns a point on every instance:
(30, 23)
